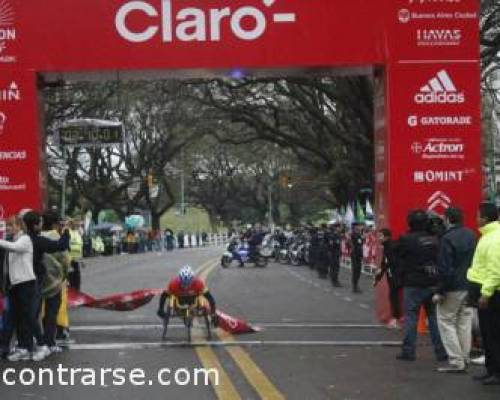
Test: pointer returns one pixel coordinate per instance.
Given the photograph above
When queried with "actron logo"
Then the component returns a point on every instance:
(192, 24)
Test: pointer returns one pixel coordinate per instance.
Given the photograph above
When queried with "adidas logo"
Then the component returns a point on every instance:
(440, 90)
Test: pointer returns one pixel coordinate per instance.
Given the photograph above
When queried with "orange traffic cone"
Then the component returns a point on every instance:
(422, 322)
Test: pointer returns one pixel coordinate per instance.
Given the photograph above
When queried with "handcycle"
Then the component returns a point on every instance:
(188, 308)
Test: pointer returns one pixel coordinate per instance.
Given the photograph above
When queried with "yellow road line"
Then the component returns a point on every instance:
(225, 390)
(254, 375)
(204, 266)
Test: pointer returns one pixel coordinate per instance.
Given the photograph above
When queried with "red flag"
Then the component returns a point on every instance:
(133, 300)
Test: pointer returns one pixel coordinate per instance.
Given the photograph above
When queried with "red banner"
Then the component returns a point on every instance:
(19, 143)
(139, 298)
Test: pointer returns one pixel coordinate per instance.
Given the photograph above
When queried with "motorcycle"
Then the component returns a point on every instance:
(258, 259)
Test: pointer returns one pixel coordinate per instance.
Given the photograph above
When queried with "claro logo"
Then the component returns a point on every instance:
(434, 1)
(193, 24)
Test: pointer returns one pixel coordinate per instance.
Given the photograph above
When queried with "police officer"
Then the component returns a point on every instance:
(356, 255)
(323, 256)
(335, 244)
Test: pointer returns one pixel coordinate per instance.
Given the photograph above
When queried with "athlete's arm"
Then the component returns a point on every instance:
(211, 301)
(161, 304)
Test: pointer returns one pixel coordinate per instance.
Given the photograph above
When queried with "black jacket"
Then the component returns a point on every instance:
(357, 245)
(389, 263)
(43, 245)
(455, 257)
(417, 252)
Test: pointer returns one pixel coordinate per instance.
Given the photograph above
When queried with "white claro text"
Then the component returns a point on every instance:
(188, 24)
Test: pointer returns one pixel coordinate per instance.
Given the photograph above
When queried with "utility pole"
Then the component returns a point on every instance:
(182, 184)
(63, 189)
(270, 201)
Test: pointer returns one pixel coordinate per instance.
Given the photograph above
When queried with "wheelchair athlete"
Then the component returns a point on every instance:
(186, 288)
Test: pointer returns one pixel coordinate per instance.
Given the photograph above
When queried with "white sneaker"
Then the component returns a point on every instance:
(479, 360)
(19, 355)
(40, 353)
(55, 349)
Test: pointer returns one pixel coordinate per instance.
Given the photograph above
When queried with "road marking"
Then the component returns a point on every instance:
(347, 298)
(254, 375)
(225, 390)
(235, 344)
(270, 325)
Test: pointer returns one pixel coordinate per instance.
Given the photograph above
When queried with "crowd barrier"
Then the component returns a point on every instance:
(371, 253)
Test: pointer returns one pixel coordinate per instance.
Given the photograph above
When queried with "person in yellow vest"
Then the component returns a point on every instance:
(484, 292)
(75, 254)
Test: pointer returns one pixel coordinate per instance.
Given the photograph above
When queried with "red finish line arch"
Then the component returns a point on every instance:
(427, 125)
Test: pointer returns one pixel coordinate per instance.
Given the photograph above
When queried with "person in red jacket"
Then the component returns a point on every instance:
(186, 287)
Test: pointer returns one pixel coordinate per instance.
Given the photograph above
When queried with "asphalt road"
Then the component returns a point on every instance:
(316, 342)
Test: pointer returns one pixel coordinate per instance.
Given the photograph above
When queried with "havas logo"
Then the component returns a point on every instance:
(194, 24)
(440, 90)
(10, 93)
(439, 37)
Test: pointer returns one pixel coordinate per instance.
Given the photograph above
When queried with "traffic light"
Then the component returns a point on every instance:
(150, 180)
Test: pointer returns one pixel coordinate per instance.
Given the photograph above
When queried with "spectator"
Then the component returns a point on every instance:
(56, 271)
(453, 312)
(484, 276)
(24, 293)
(390, 269)
(418, 251)
(180, 239)
(169, 239)
(6, 314)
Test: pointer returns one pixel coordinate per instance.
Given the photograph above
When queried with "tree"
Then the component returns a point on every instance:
(326, 122)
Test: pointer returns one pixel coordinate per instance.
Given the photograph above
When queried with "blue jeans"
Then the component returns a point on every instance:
(414, 299)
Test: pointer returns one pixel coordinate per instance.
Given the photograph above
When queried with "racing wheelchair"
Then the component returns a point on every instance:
(188, 308)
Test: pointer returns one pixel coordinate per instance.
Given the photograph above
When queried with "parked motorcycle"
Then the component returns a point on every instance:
(258, 259)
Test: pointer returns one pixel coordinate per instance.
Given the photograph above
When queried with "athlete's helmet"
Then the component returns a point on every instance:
(186, 275)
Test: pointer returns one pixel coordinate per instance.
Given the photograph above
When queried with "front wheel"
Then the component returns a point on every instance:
(261, 262)
(225, 262)
(208, 325)
(166, 320)
(188, 321)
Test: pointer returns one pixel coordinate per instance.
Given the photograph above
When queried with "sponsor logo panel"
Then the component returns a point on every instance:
(203, 25)
(8, 33)
(440, 89)
(442, 176)
(415, 121)
(10, 93)
(7, 186)
(439, 148)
